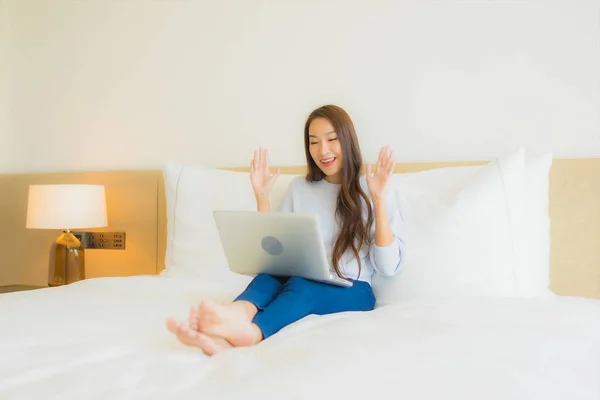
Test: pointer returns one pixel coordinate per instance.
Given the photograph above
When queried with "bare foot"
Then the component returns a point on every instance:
(193, 318)
(198, 320)
(230, 322)
(209, 345)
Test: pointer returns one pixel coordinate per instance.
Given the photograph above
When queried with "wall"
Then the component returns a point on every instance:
(132, 202)
(130, 84)
(5, 129)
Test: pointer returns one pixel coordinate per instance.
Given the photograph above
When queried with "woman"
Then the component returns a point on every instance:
(361, 228)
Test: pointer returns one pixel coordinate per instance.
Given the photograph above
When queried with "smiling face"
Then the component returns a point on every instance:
(331, 147)
(325, 149)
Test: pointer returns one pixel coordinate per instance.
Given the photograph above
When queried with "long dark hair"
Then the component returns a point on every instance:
(353, 230)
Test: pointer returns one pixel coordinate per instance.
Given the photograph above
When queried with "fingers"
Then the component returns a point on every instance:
(385, 162)
(390, 170)
(255, 160)
(265, 158)
(260, 160)
(390, 162)
(381, 158)
(275, 176)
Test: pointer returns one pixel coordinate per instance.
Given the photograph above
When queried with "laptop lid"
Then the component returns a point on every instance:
(283, 244)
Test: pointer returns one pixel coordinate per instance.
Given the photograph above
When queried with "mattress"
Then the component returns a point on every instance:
(106, 338)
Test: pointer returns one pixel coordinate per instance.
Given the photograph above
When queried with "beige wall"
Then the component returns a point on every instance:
(130, 84)
(134, 201)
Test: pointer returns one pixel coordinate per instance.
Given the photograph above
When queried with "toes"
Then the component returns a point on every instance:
(190, 337)
(193, 318)
(207, 344)
(183, 333)
(186, 335)
(172, 325)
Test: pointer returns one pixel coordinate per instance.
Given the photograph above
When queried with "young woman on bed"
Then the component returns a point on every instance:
(367, 241)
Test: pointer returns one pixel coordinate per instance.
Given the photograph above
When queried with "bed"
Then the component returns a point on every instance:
(489, 315)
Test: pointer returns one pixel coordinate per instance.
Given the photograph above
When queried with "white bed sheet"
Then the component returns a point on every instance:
(106, 339)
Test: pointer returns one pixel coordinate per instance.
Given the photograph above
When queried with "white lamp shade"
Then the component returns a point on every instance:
(66, 207)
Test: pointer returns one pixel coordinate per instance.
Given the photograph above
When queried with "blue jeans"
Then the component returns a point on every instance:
(283, 301)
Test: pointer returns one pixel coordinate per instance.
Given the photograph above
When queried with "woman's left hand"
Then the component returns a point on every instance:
(377, 180)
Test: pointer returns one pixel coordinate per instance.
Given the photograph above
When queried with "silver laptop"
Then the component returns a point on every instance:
(280, 244)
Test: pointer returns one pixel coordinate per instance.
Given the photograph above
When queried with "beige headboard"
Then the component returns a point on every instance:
(136, 204)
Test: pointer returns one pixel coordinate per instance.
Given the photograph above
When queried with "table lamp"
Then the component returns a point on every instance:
(66, 207)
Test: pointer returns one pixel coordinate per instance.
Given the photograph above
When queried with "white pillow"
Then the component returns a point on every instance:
(464, 232)
(535, 278)
(192, 194)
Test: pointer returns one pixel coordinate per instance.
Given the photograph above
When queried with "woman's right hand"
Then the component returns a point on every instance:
(261, 178)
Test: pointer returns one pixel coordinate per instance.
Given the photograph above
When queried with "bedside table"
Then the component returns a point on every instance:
(18, 288)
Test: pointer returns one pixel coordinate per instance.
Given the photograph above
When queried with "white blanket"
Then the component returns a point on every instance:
(106, 339)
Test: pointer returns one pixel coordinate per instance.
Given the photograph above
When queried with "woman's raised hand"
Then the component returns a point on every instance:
(260, 176)
(377, 180)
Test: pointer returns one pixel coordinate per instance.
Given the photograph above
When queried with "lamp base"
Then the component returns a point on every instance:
(68, 266)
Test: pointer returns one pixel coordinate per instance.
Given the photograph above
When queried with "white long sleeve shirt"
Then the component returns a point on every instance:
(320, 198)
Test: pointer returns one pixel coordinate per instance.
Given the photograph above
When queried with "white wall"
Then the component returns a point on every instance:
(6, 133)
(129, 84)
